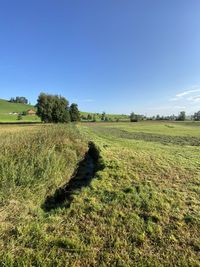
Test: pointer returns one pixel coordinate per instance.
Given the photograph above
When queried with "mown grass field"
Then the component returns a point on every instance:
(141, 209)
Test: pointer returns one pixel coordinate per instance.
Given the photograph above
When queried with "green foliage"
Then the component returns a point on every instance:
(19, 117)
(197, 116)
(53, 108)
(181, 116)
(103, 116)
(98, 117)
(135, 117)
(24, 113)
(74, 112)
(19, 99)
(89, 117)
(94, 118)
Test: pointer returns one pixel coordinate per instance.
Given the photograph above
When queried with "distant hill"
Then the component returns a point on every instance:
(6, 108)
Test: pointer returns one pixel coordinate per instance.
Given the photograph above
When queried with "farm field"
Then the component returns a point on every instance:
(140, 206)
(7, 107)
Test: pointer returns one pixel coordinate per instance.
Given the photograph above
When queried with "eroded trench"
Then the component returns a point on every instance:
(82, 177)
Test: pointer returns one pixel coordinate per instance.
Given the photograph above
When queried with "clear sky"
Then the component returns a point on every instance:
(116, 56)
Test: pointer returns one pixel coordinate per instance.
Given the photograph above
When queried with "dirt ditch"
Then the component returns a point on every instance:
(82, 177)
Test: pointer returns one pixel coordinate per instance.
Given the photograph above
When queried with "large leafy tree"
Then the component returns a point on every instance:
(74, 112)
(53, 108)
(182, 116)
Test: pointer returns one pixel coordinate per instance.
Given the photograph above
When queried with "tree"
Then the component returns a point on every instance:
(24, 113)
(197, 116)
(12, 100)
(74, 112)
(181, 116)
(133, 117)
(158, 117)
(89, 117)
(136, 117)
(53, 108)
(94, 118)
(19, 99)
(103, 116)
(83, 117)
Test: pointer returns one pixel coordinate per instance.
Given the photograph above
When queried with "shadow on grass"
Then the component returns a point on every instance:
(81, 177)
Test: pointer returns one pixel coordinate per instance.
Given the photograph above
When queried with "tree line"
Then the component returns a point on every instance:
(19, 99)
(56, 109)
(180, 117)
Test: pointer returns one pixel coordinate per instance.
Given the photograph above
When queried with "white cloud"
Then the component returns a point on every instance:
(184, 95)
(195, 98)
(188, 92)
(174, 99)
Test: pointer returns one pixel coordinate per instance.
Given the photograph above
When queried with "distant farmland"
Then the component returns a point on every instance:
(7, 107)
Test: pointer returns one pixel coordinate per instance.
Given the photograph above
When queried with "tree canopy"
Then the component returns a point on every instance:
(181, 116)
(19, 99)
(197, 116)
(135, 117)
(53, 108)
(74, 112)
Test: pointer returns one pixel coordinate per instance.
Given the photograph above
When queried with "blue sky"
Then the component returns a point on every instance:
(116, 56)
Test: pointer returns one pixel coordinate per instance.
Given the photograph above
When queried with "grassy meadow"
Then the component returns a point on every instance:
(141, 209)
(7, 107)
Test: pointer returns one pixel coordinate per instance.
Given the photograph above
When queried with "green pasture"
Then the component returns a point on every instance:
(141, 209)
(7, 107)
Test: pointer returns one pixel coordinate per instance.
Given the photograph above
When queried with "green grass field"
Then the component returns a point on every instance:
(142, 208)
(7, 107)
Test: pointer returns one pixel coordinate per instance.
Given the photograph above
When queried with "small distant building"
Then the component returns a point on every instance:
(31, 112)
(13, 113)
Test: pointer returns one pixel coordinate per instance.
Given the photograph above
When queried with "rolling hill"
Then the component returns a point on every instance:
(6, 107)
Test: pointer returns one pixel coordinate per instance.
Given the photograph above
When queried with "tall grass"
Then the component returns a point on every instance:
(33, 163)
